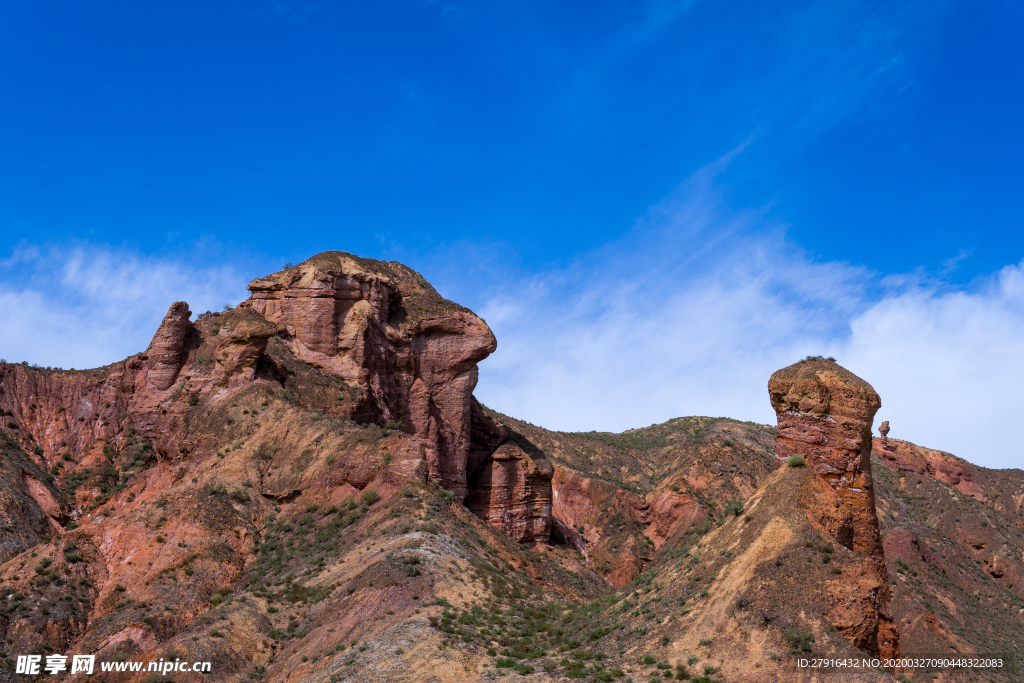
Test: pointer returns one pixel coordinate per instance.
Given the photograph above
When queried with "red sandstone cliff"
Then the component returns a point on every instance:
(509, 480)
(824, 415)
(402, 354)
(381, 327)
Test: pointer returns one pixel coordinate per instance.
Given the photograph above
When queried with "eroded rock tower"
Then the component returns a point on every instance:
(825, 414)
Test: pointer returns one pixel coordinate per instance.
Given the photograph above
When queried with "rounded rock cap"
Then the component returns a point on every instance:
(822, 386)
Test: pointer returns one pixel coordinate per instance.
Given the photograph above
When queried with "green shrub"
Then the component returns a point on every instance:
(370, 497)
(795, 461)
(239, 495)
(799, 641)
(648, 660)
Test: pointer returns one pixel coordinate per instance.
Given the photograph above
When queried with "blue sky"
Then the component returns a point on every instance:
(654, 204)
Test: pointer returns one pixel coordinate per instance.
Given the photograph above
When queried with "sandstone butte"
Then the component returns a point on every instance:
(825, 414)
(304, 488)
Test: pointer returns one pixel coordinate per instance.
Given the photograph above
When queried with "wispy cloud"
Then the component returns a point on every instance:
(693, 310)
(89, 305)
(688, 313)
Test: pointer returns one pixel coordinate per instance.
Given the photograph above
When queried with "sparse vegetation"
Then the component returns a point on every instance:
(798, 641)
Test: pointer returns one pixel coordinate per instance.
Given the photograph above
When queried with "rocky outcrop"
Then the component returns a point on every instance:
(603, 521)
(172, 460)
(239, 342)
(509, 480)
(166, 351)
(403, 355)
(381, 327)
(512, 491)
(29, 505)
(824, 415)
(904, 456)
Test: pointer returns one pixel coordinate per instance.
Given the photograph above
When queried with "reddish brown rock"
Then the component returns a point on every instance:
(29, 505)
(406, 354)
(509, 480)
(904, 456)
(166, 351)
(381, 327)
(825, 414)
(172, 463)
(239, 343)
(602, 521)
(512, 491)
(670, 514)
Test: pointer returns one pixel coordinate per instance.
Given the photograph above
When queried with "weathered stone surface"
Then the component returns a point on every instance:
(239, 343)
(29, 506)
(581, 508)
(512, 491)
(166, 351)
(904, 456)
(824, 414)
(381, 327)
(509, 480)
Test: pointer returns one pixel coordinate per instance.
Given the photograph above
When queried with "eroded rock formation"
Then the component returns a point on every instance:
(509, 481)
(402, 355)
(904, 456)
(166, 351)
(382, 327)
(824, 414)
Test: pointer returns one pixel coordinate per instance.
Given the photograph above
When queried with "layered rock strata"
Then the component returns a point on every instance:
(904, 456)
(403, 354)
(166, 352)
(509, 481)
(382, 327)
(825, 414)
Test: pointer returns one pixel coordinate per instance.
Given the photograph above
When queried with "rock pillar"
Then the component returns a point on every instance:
(824, 414)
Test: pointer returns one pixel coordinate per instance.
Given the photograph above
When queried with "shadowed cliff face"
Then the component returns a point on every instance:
(824, 415)
(510, 480)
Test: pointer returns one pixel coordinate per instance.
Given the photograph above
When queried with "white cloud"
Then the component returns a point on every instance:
(949, 366)
(87, 306)
(697, 306)
(688, 314)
